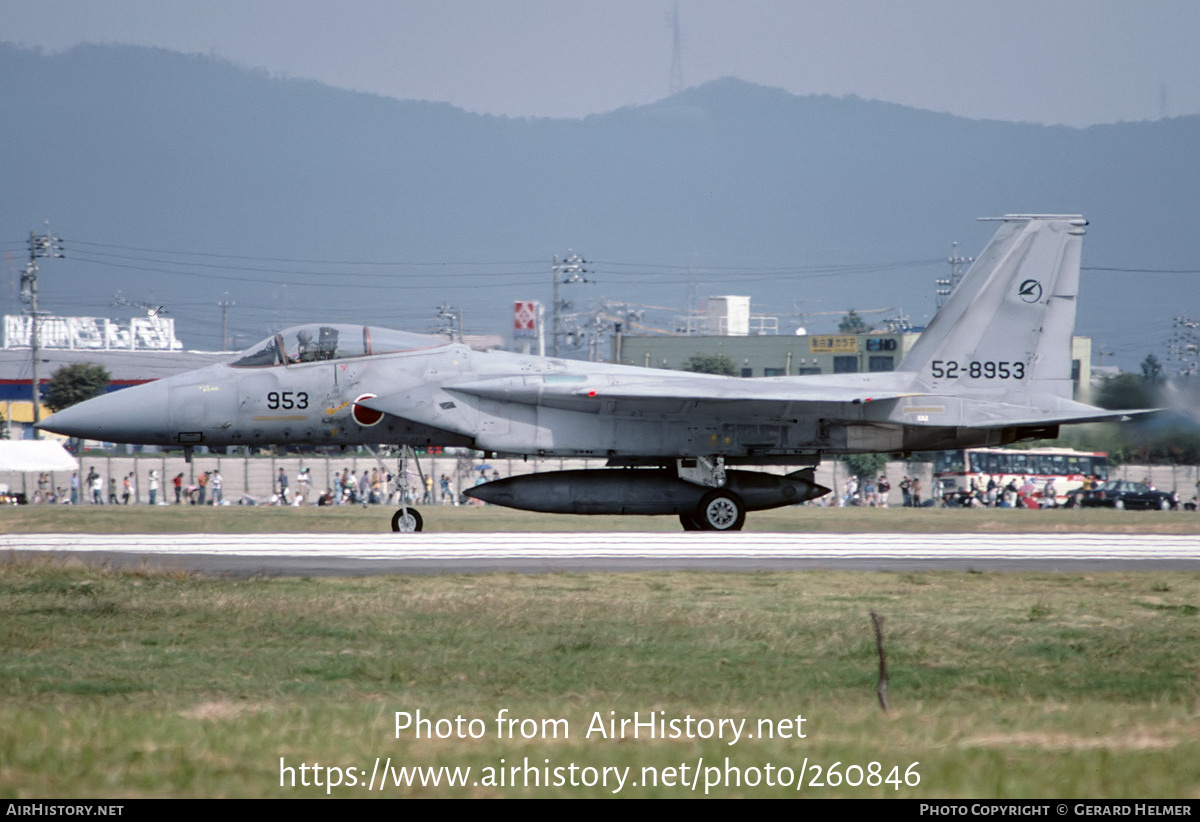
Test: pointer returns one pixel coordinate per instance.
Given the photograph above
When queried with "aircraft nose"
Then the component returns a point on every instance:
(137, 415)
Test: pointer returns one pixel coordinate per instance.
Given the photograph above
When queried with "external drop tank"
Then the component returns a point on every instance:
(645, 491)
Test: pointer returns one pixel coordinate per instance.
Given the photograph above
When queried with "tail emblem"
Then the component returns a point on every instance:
(1030, 291)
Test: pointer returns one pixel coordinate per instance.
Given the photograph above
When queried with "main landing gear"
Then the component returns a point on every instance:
(719, 510)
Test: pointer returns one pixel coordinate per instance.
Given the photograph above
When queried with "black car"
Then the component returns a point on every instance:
(1122, 494)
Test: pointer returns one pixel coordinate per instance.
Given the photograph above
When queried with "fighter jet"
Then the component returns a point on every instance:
(993, 367)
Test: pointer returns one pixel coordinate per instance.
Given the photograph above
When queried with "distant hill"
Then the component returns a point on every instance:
(282, 187)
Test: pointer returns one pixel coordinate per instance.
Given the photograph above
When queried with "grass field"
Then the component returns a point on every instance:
(117, 684)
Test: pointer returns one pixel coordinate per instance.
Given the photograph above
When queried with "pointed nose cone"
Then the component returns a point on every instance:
(495, 493)
(137, 415)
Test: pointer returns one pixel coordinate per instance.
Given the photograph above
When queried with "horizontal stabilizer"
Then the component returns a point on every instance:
(1057, 411)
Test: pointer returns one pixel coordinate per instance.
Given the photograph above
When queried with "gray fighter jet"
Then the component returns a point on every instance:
(993, 367)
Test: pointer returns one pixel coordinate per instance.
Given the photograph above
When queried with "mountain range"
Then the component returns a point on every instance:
(186, 181)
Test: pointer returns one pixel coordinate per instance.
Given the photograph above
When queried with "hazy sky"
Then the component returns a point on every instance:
(1076, 62)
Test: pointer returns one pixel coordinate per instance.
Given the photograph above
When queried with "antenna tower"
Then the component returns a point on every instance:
(676, 82)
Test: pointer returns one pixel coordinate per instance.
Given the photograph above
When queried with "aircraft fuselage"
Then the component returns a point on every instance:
(497, 402)
(993, 367)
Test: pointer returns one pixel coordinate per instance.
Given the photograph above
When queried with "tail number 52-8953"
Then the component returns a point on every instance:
(977, 369)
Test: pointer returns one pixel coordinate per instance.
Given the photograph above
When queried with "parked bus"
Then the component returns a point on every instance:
(963, 475)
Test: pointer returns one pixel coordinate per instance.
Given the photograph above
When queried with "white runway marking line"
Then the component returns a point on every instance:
(627, 545)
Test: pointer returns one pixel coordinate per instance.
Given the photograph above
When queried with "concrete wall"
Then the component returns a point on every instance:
(255, 476)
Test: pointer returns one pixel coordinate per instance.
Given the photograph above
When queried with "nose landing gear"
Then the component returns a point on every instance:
(407, 520)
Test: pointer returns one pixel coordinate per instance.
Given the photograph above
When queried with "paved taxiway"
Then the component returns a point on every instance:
(424, 553)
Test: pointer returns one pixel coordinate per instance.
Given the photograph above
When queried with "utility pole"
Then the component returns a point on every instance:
(946, 287)
(569, 270)
(225, 305)
(610, 317)
(1185, 345)
(40, 245)
(451, 318)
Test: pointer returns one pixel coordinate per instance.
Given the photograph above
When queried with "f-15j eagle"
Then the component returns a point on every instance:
(993, 367)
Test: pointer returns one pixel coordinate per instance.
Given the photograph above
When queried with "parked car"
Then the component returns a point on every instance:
(1123, 494)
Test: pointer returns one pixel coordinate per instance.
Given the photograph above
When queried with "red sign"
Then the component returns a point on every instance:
(525, 319)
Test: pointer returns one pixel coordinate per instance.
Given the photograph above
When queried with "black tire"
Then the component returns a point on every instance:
(410, 524)
(688, 521)
(720, 510)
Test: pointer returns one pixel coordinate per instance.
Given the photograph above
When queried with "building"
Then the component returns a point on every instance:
(773, 355)
(133, 352)
(766, 354)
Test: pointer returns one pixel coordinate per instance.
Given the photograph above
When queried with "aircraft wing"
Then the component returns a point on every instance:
(695, 393)
(442, 406)
(446, 406)
(582, 393)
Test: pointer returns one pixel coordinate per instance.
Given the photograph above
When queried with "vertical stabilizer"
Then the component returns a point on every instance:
(1006, 330)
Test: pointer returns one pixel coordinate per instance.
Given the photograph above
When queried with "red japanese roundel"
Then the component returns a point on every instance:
(365, 417)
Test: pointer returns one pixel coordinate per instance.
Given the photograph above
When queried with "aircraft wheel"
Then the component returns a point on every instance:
(721, 510)
(407, 520)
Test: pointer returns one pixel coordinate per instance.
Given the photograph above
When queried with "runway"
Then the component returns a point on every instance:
(387, 553)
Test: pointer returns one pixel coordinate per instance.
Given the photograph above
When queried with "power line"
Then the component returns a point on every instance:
(1141, 270)
(301, 261)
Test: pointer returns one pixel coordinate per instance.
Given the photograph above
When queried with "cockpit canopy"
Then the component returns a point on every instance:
(314, 343)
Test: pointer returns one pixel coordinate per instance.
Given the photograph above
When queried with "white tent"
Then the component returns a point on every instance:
(35, 455)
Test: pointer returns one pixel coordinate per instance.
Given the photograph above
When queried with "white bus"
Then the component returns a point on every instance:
(963, 475)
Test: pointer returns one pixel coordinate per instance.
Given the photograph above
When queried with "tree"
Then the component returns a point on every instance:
(865, 466)
(1169, 436)
(1152, 370)
(73, 384)
(1127, 391)
(710, 364)
(853, 324)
